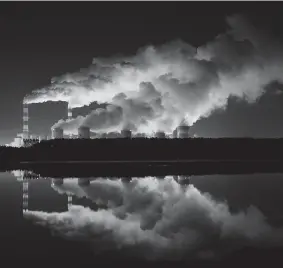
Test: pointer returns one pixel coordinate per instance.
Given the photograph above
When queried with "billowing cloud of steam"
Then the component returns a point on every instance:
(160, 218)
(159, 87)
(99, 120)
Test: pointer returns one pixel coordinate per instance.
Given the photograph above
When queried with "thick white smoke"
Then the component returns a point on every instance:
(161, 86)
(161, 218)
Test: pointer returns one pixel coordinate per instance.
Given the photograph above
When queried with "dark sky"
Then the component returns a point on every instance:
(40, 40)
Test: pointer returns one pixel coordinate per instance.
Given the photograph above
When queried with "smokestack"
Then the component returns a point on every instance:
(183, 132)
(84, 133)
(70, 116)
(70, 201)
(57, 133)
(125, 133)
(160, 135)
(25, 121)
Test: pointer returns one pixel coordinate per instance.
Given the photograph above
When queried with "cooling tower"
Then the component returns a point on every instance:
(183, 132)
(184, 180)
(57, 133)
(83, 133)
(175, 134)
(57, 181)
(160, 135)
(125, 133)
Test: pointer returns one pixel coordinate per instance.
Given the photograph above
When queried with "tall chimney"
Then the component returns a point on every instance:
(70, 116)
(70, 201)
(25, 121)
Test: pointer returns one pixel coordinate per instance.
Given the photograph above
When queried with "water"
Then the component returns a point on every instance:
(182, 219)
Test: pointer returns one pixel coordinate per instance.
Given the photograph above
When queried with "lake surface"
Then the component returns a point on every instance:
(146, 220)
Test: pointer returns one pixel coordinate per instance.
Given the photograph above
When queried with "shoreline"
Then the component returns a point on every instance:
(146, 168)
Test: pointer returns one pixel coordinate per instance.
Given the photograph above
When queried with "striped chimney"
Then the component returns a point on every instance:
(25, 121)
(70, 201)
(25, 194)
(70, 116)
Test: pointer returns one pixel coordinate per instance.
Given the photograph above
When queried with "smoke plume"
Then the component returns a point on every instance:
(160, 218)
(161, 86)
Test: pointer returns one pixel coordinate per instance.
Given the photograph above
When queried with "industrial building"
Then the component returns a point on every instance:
(174, 134)
(26, 139)
(126, 133)
(160, 135)
(183, 132)
(57, 133)
(84, 132)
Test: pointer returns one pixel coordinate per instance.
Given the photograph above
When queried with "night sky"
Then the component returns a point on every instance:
(40, 40)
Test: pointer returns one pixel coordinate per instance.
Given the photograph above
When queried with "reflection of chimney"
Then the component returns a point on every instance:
(25, 194)
(25, 121)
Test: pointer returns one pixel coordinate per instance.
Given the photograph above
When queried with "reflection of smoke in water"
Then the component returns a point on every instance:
(161, 218)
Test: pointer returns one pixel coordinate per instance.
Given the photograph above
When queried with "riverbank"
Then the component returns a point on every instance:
(143, 168)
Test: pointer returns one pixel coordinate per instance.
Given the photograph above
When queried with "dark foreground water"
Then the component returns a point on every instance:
(198, 220)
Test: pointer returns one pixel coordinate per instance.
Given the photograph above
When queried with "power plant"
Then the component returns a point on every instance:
(25, 139)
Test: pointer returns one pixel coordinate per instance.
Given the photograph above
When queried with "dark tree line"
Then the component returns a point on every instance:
(146, 149)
